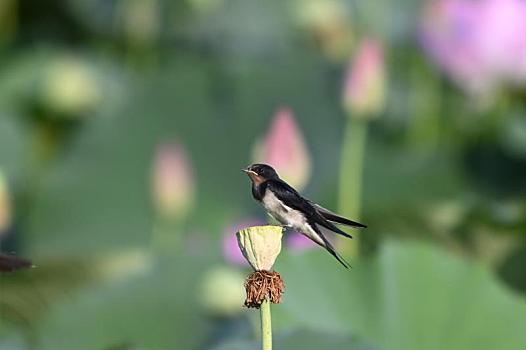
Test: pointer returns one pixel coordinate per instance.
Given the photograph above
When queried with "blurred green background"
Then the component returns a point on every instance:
(124, 125)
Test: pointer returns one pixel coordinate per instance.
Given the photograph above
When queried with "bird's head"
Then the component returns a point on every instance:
(260, 173)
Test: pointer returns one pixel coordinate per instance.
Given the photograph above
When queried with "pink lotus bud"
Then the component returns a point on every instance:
(284, 148)
(231, 251)
(364, 86)
(173, 181)
(5, 206)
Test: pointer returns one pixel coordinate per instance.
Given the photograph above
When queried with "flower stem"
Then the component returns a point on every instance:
(266, 326)
(351, 172)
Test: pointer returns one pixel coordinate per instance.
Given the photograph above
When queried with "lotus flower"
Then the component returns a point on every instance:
(173, 181)
(5, 206)
(284, 149)
(479, 44)
(364, 86)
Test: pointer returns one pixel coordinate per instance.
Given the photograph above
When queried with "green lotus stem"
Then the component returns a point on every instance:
(351, 173)
(261, 246)
(266, 326)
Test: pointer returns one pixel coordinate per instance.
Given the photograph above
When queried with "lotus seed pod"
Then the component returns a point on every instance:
(260, 245)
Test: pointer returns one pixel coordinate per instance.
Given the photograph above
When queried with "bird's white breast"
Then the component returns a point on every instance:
(289, 216)
(283, 213)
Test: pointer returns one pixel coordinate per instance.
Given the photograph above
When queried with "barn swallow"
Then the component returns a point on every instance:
(292, 210)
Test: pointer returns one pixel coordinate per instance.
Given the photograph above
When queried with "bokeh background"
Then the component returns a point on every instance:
(124, 125)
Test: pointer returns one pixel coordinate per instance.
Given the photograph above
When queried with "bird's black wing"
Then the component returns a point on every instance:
(329, 247)
(330, 216)
(290, 197)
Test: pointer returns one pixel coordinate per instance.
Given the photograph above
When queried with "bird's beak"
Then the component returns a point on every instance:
(249, 172)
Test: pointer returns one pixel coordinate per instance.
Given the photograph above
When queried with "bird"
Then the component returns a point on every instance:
(287, 206)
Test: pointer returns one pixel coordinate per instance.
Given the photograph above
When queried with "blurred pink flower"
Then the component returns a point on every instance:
(479, 44)
(364, 85)
(173, 181)
(298, 242)
(502, 37)
(231, 251)
(284, 148)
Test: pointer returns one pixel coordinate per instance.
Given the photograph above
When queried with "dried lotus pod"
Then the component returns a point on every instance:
(260, 245)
